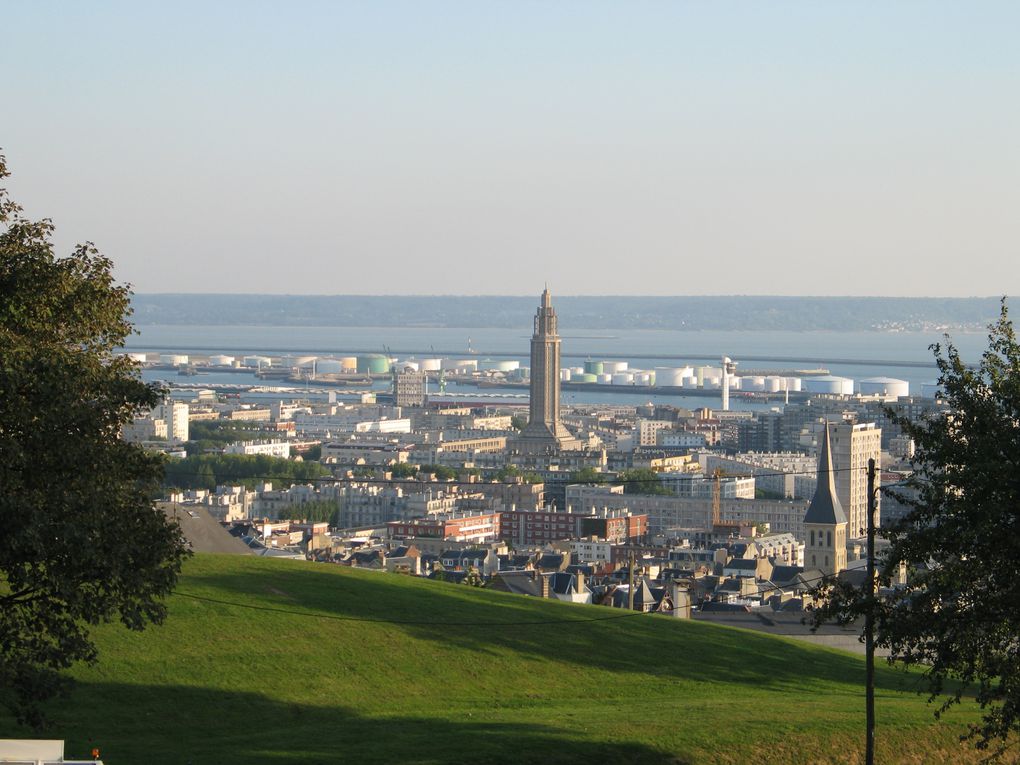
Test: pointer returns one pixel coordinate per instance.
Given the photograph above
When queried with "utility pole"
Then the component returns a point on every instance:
(869, 623)
(630, 589)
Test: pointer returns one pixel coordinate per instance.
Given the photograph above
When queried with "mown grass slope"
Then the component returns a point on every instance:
(297, 671)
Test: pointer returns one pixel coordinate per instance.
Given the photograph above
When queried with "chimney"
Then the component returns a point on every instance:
(580, 582)
(545, 584)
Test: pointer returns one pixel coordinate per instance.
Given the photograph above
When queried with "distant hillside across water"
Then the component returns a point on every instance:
(720, 312)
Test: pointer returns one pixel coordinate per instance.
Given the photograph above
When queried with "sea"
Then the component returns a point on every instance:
(901, 355)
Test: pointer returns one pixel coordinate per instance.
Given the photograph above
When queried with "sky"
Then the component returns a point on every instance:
(475, 147)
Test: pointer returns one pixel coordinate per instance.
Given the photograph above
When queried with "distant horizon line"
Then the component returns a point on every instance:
(997, 296)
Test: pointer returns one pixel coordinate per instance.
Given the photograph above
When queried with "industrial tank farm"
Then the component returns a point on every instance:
(888, 387)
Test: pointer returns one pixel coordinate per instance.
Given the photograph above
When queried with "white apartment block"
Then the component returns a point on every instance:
(852, 446)
(270, 448)
(647, 430)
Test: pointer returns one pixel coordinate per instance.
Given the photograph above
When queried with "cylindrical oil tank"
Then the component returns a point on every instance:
(623, 378)
(409, 366)
(794, 384)
(584, 377)
(565, 375)
(174, 359)
(139, 357)
(612, 367)
(829, 384)
(773, 384)
(257, 361)
(690, 382)
(753, 382)
(644, 378)
(713, 382)
(373, 364)
(736, 383)
(669, 376)
(594, 367)
(883, 386)
(604, 379)
(221, 360)
(431, 365)
(329, 366)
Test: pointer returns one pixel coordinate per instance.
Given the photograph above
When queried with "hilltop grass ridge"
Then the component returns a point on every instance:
(297, 671)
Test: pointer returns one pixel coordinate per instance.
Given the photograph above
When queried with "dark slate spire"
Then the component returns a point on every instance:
(825, 507)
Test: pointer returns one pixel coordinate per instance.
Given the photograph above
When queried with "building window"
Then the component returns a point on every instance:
(828, 541)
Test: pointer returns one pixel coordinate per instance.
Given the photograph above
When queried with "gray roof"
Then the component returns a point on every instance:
(825, 507)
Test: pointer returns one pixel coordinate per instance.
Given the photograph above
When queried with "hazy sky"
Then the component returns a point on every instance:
(864, 148)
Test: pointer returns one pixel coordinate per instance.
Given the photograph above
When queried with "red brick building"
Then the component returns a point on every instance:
(482, 527)
(540, 527)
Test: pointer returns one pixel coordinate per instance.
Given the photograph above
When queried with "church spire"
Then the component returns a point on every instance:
(825, 506)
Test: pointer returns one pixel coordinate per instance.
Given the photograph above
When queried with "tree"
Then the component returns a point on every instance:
(958, 616)
(642, 481)
(82, 542)
(403, 470)
(587, 475)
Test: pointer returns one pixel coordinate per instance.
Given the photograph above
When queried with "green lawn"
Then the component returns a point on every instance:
(223, 684)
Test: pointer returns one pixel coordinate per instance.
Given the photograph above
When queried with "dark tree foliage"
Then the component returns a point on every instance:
(313, 512)
(207, 471)
(642, 481)
(81, 542)
(958, 616)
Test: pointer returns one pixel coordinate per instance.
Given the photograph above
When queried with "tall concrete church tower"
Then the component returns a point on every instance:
(825, 524)
(544, 431)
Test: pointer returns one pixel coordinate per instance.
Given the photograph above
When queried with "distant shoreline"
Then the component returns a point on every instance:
(581, 318)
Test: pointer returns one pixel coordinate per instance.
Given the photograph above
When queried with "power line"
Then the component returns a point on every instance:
(483, 483)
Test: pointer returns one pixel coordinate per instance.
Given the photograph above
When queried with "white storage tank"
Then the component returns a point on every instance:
(613, 367)
(329, 366)
(883, 386)
(301, 362)
(793, 384)
(753, 382)
(349, 363)
(713, 382)
(930, 390)
(141, 358)
(690, 382)
(669, 376)
(221, 360)
(257, 361)
(623, 378)
(173, 359)
(431, 365)
(773, 384)
(644, 378)
(604, 379)
(503, 365)
(842, 386)
(565, 375)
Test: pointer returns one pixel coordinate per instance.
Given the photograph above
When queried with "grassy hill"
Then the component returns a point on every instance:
(298, 678)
